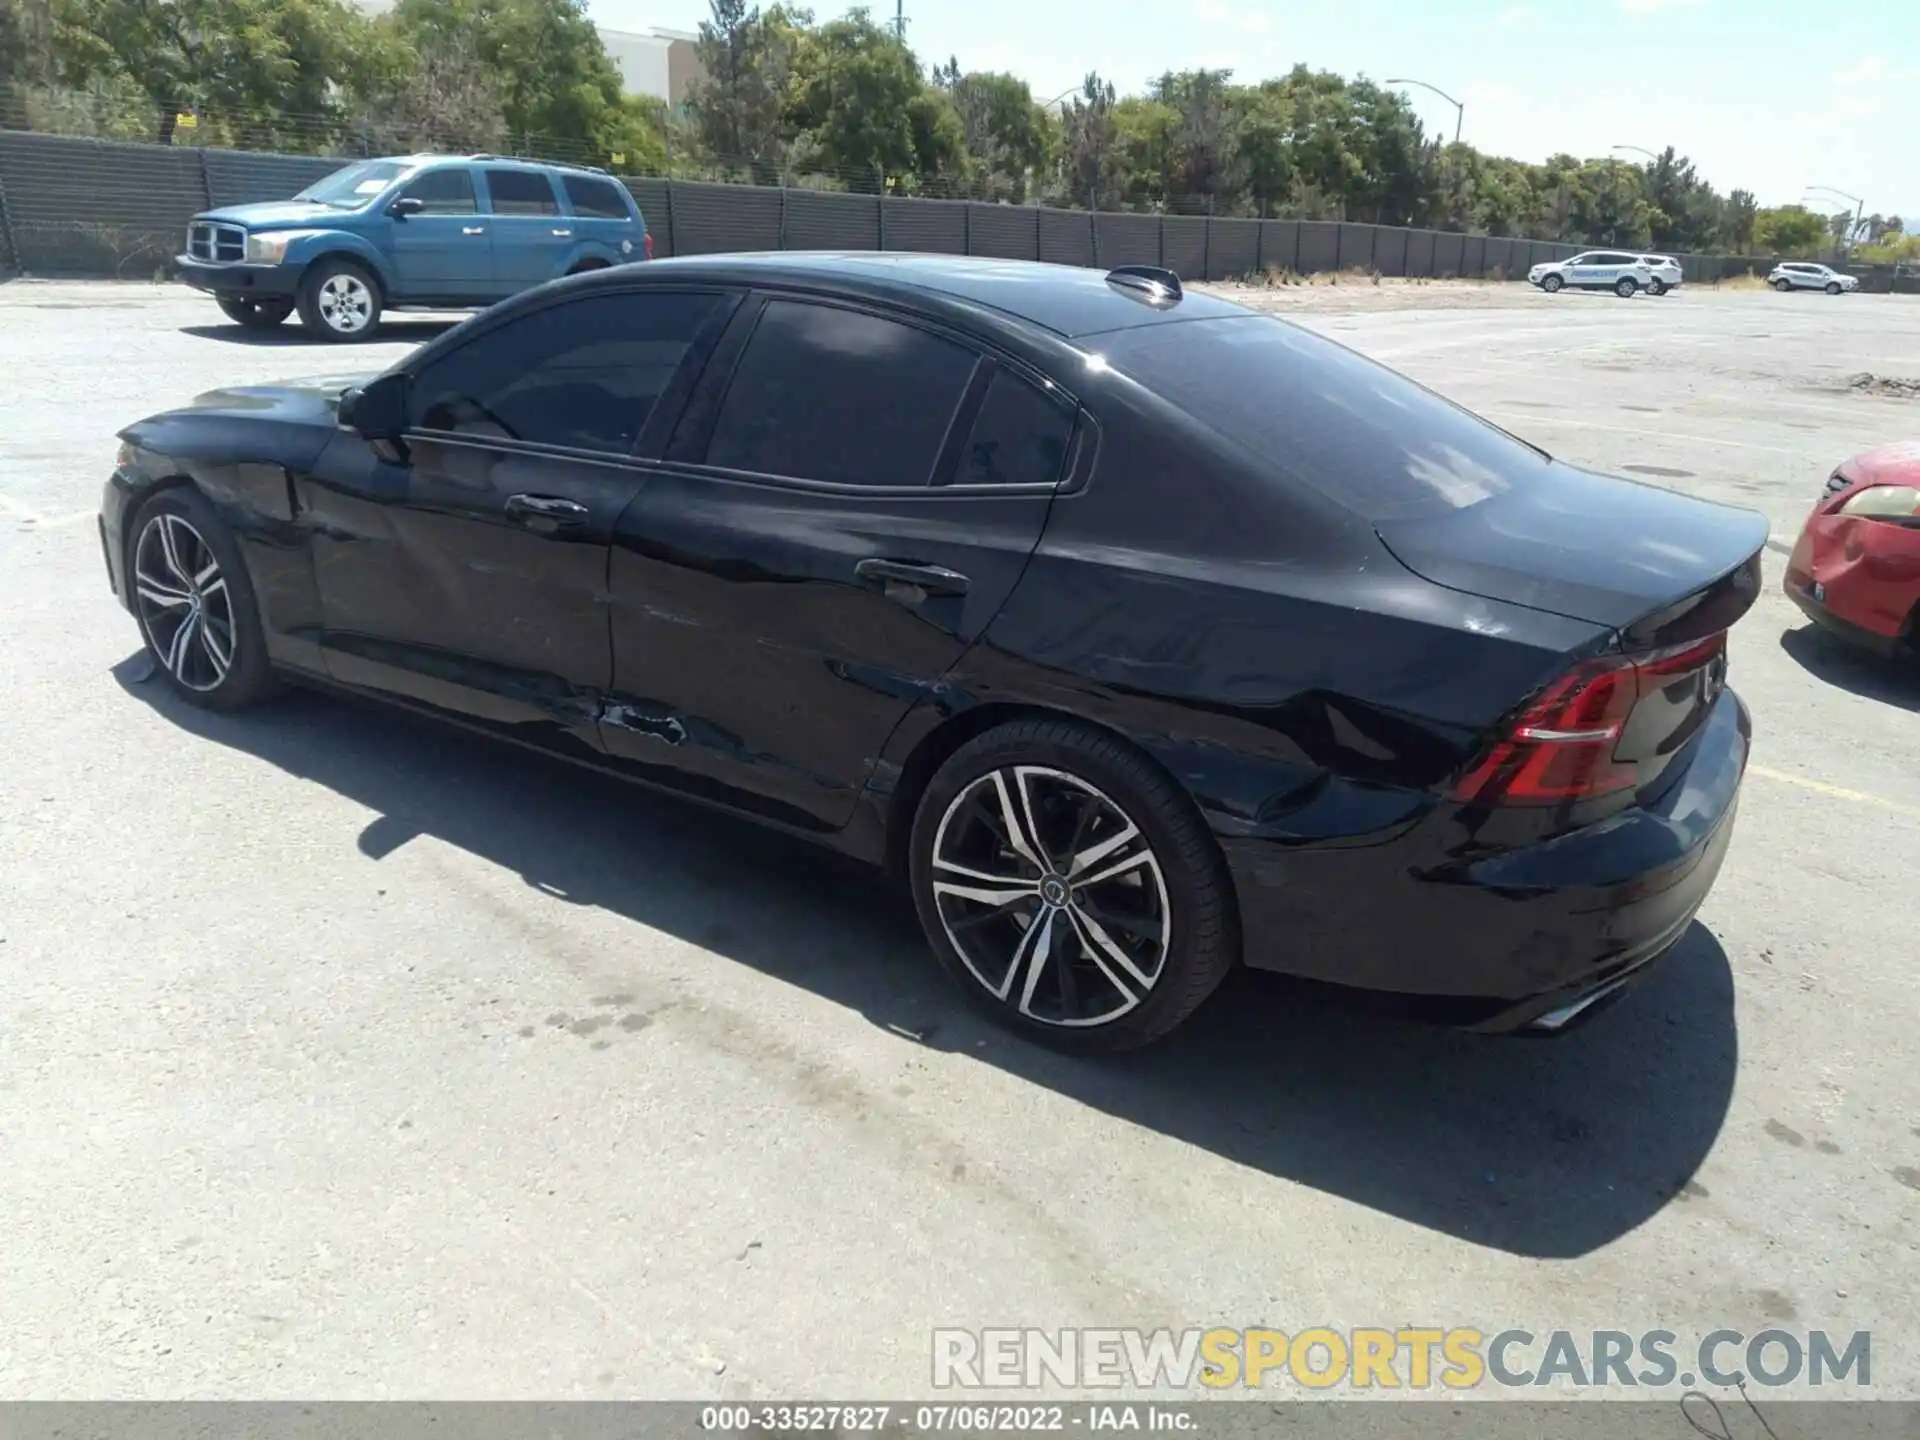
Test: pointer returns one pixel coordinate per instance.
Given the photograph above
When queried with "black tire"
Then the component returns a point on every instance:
(1656, 288)
(1551, 284)
(339, 301)
(1783, 286)
(1170, 915)
(1626, 287)
(1833, 287)
(254, 314)
(172, 540)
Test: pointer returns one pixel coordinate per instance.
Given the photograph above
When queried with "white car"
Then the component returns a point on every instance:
(1667, 274)
(1805, 275)
(1595, 270)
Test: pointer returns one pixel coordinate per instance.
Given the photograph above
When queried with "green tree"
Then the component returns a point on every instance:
(1004, 132)
(1789, 230)
(739, 108)
(1092, 172)
(851, 100)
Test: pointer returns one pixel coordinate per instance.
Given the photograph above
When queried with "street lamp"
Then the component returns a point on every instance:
(1459, 110)
(1859, 205)
(1613, 230)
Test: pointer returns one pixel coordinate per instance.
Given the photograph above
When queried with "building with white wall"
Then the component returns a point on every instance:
(660, 63)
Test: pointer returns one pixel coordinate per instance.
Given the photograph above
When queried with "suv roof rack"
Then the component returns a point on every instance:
(1156, 281)
(537, 160)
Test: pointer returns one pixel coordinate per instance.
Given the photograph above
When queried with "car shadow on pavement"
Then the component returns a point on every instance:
(1540, 1148)
(391, 332)
(1894, 681)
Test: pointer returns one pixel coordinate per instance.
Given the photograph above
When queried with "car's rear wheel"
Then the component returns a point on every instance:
(1070, 887)
(255, 314)
(1656, 287)
(1833, 287)
(1551, 284)
(1626, 287)
(339, 301)
(195, 604)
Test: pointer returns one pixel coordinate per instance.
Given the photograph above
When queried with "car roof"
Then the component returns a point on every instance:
(1070, 300)
(530, 162)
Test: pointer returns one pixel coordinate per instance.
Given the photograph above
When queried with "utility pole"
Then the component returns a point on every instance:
(900, 21)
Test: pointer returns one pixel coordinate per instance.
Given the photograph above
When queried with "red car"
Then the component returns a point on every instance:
(1856, 568)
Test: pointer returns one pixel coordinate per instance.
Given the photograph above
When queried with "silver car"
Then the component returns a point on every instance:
(1667, 274)
(1805, 275)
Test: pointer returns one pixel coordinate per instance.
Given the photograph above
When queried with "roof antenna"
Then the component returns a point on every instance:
(1157, 282)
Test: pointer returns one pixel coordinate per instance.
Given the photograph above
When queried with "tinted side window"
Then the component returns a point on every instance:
(601, 198)
(521, 192)
(444, 192)
(585, 374)
(1019, 438)
(1325, 416)
(829, 394)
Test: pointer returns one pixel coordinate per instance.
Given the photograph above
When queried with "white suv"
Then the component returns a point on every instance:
(1805, 275)
(1595, 270)
(1666, 273)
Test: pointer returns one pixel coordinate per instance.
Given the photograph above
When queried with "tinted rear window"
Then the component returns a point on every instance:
(1326, 416)
(593, 197)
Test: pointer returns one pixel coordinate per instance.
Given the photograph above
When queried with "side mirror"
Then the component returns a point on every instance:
(406, 205)
(377, 412)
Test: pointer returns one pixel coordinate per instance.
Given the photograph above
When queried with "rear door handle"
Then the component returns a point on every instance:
(547, 514)
(932, 579)
(473, 229)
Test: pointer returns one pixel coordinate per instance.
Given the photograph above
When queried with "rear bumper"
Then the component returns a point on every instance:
(1510, 941)
(244, 282)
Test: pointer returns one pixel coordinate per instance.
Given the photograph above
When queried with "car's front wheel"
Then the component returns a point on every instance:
(1070, 887)
(339, 301)
(1833, 287)
(195, 604)
(1626, 287)
(1551, 284)
(255, 314)
(1783, 286)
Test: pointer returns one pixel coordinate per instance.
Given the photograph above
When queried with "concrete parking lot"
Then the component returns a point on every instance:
(344, 1056)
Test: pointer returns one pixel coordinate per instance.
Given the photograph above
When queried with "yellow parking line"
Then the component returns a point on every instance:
(1837, 792)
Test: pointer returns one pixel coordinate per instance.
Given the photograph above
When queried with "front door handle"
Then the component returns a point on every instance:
(473, 229)
(562, 234)
(931, 579)
(547, 514)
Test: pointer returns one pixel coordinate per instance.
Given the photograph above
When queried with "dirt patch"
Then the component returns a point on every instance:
(1899, 387)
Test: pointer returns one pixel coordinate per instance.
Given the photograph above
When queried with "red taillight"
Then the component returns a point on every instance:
(647, 242)
(1561, 748)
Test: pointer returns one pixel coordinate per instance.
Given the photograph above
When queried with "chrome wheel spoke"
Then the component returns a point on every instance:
(1022, 840)
(218, 653)
(1085, 860)
(170, 552)
(1102, 947)
(177, 646)
(158, 593)
(1038, 953)
(999, 897)
(1119, 867)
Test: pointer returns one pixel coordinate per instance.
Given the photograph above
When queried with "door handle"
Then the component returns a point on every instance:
(931, 579)
(562, 234)
(547, 514)
(473, 229)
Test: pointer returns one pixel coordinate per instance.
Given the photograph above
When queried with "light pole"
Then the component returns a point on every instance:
(1859, 205)
(1613, 229)
(1459, 110)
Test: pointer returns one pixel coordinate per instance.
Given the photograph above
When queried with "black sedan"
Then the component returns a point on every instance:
(1139, 634)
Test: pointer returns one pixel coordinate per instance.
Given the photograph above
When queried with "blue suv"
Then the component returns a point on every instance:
(435, 232)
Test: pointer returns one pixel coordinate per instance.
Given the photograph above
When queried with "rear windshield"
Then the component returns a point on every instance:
(1362, 434)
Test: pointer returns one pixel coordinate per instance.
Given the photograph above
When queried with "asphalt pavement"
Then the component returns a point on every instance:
(345, 1056)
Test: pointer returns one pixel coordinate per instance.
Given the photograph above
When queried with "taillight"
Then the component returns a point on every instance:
(1563, 746)
(646, 242)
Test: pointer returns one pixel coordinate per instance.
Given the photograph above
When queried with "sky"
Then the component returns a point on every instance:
(1762, 95)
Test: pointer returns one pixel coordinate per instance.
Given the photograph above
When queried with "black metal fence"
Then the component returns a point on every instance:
(83, 207)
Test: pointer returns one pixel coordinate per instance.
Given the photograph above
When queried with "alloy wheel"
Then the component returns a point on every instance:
(185, 606)
(345, 303)
(1051, 896)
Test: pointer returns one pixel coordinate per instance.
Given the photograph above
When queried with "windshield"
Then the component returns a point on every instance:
(1364, 435)
(354, 186)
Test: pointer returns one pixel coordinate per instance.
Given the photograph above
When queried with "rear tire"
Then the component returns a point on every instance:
(1551, 284)
(1626, 287)
(254, 314)
(339, 301)
(1070, 887)
(195, 603)
(1656, 288)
